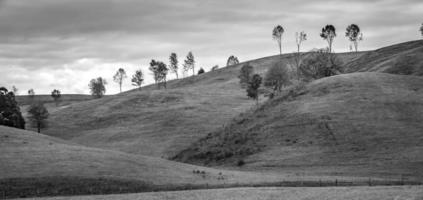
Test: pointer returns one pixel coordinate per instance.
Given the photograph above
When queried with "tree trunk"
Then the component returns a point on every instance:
(39, 127)
(176, 75)
(120, 87)
(280, 47)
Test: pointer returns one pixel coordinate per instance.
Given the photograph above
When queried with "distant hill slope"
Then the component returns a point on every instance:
(404, 58)
(64, 100)
(356, 124)
(160, 122)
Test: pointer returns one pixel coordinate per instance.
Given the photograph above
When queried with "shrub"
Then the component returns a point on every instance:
(320, 64)
(276, 77)
(240, 163)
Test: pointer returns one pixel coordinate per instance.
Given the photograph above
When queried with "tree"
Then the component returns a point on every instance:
(276, 77)
(201, 71)
(245, 75)
(173, 60)
(38, 115)
(421, 29)
(215, 67)
(119, 76)
(15, 90)
(137, 79)
(232, 60)
(55, 94)
(98, 87)
(354, 35)
(299, 39)
(31, 94)
(320, 64)
(277, 35)
(328, 34)
(10, 113)
(253, 86)
(189, 63)
(159, 70)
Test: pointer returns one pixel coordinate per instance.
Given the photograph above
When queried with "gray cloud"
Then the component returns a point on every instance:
(49, 41)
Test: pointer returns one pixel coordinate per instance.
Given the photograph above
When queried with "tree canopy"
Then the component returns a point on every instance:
(137, 79)
(119, 76)
(98, 87)
(277, 35)
(159, 70)
(328, 33)
(38, 115)
(232, 60)
(10, 113)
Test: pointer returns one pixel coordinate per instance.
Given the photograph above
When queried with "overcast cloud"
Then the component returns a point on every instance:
(47, 44)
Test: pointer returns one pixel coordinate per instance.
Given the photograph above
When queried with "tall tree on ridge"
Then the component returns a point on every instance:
(119, 76)
(173, 64)
(189, 63)
(328, 33)
(299, 39)
(137, 79)
(354, 35)
(277, 35)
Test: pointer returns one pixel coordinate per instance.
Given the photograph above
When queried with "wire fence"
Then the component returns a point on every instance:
(22, 188)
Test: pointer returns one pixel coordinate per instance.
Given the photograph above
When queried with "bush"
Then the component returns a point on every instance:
(276, 77)
(240, 163)
(320, 64)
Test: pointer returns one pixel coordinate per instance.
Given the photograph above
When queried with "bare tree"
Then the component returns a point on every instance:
(277, 35)
(354, 35)
(119, 76)
(173, 64)
(137, 79)
(38, 115)
(299, 39)
(328, 33)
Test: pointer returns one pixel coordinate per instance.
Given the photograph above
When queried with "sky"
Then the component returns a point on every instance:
(63, 44)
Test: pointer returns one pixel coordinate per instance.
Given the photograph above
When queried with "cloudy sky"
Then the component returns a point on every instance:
(47, 44)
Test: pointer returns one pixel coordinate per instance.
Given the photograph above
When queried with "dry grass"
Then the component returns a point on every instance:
(355, 124)
(344, 193)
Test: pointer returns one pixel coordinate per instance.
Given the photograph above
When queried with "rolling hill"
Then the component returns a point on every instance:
(161, 122)
(404, 58)
(34, 164)
(358, 123)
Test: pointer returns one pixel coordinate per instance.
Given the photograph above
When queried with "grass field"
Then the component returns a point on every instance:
(333, 125)
(326, 193)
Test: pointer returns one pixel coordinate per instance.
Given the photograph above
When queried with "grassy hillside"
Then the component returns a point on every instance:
(404, 58)
(160, 122)
(64, 100)
(34, 164)
(344, 193)
(357, 124)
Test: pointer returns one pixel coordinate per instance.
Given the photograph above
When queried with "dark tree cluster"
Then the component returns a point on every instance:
(159, 70)
(277, 77)
(320, 64)
(98, 87)
(10, 114)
